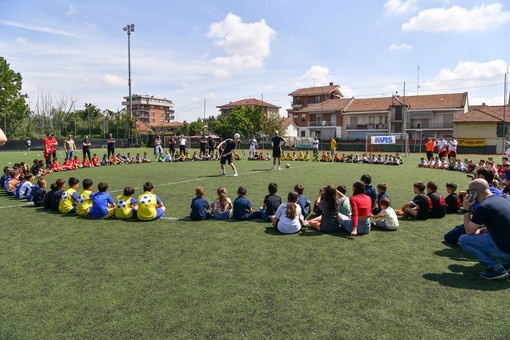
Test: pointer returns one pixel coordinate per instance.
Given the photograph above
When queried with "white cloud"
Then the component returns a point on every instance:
(246, 44)
(37, 28)
(396, 47)
(400, 7)
(479, 100)
(111, 79)
(318, 75)
(473, 69)
(72, 10)
(21, 40)
(221, 73)
(458, 19)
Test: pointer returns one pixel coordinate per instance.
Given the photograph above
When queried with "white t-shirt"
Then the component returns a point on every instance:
(452, 146)
(441, 144)
(315, 144)
(182, 141)
(25, 189)
(285, 224)
(390, 217)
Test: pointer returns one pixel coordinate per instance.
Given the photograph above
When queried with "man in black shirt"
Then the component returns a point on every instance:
(277, 143)
(227, 153)
(487, 235)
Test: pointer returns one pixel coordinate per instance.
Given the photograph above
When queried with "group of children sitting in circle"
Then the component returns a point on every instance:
(468, 166)
(332, 210)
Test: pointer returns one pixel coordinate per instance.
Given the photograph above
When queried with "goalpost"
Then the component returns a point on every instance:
(387, 143)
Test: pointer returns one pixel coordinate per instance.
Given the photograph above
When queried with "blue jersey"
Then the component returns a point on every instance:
(100, 204)
(199, 209)
(242, 208)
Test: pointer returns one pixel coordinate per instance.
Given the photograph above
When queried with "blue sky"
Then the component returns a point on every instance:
(221, 51)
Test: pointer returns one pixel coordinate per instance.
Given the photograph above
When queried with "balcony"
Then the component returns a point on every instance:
(322, 123)
(429, 126)
(296, 107)
(382, 126)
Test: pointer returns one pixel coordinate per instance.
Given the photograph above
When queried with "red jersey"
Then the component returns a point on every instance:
(361, 205)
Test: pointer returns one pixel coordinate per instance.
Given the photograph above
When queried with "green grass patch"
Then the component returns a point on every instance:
(70, 277)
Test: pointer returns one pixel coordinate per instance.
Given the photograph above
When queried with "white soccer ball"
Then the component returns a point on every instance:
(64, 196)
(287, 165)
(121, 204)
(145, 199)
(237, 136)
(80, 199)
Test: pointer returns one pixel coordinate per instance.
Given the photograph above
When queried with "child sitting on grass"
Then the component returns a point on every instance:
(221, 208)
(452, 200)
(271, 202)
(303, 201)
(199, 206)
(126, 206)
(420, 206)
(242, 207)
(150, 206)
(328, 221)
(102, 203)
(389, 220)
(288, 218)
(40, 194)
(67, 204)
(83, 202)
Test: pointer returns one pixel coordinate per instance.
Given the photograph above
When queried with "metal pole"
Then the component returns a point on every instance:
(129, 28)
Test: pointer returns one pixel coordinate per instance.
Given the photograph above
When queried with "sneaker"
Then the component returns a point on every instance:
(236, 174)
(272, 168)
(491, 274)
(222, 174)
(279, 168)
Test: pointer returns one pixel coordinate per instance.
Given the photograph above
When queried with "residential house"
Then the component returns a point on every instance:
(290, 129)
(483, 129)
(267, 108)
(153, 112)
(420, 116)
(317, 111)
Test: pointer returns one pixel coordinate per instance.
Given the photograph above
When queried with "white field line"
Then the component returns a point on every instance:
(190, 181)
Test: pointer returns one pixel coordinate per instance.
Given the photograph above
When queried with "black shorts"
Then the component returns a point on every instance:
(225, 159)
(277, 152)
(442, 154)
(422, 215)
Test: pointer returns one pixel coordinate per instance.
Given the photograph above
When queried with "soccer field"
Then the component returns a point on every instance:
(70, 277)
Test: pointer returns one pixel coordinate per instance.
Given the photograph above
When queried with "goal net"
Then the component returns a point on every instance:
(387, 143)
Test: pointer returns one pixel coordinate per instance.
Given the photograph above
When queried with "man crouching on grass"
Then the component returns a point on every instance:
(487, 235)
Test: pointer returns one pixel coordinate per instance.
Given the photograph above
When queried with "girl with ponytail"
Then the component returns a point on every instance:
(288, 217)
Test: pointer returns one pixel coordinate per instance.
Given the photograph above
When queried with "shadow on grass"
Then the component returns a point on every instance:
(466, 277)
(453, 252)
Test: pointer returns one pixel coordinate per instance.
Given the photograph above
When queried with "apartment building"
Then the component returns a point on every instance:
(151, 111)
(268, 108)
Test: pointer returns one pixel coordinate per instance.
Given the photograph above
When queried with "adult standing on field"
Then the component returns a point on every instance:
(50, 148)
(69, 146)
(171, 145)
(211, 144)
(86, 147)
(227, 153)
(158, 149)
(182, 145)
(110, 142)
(452, 148)
(431, 144)
(277, 143)
(332, 147)
(253, 146)
(441, 147)
(487, 236)
(203, 145)
(315, 146)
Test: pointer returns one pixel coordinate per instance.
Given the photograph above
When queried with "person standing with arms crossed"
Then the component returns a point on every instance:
(111, 145)
(227, 153)
(86, 147)
(277, 143)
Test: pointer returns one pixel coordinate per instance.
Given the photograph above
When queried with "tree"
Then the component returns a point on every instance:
(13, 106)
(247, 121)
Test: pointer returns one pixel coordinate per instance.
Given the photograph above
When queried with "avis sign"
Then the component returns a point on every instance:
(383, 139)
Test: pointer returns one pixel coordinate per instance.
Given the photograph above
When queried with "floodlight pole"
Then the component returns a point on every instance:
(129, 28)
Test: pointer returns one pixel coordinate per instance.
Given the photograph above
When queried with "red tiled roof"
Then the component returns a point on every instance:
(287, 121)
(483, 113)
(140, 126)
(430, 101)
(328, 105)
(247, 102)
(310, 91)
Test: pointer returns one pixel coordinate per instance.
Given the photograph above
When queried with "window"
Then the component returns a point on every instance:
(353, 122)
(303, 117)
(371, 119)
(153, 120)
(502, 129)
(298, 101)
(303, 133)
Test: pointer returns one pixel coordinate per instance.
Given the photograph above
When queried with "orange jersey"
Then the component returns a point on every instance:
(430, 145)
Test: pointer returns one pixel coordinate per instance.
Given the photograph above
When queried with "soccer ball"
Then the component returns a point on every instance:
(145, 199)
(237, 136)
(287, 165)
(80, 199)
(121, 204)
(64, 196)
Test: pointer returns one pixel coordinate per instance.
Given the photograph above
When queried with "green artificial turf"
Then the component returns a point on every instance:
(70, 277)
